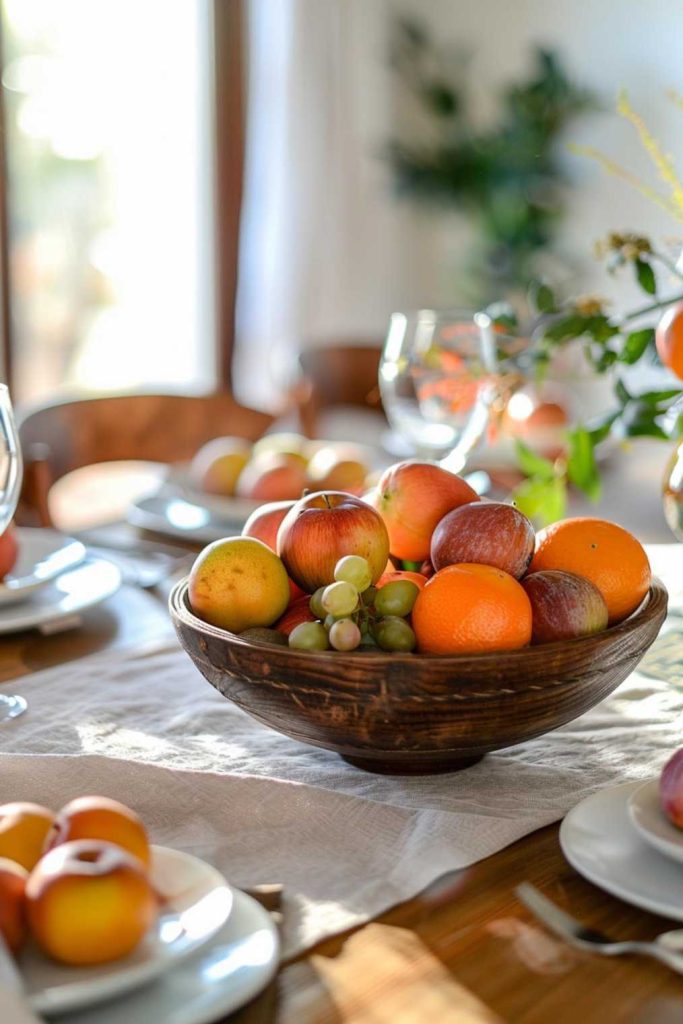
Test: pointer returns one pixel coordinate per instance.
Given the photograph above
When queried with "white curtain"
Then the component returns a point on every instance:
(323, 249)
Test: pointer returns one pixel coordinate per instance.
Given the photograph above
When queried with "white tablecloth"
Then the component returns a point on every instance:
(145, 727)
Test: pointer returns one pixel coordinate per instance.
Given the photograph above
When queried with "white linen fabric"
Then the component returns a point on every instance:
(145, 727)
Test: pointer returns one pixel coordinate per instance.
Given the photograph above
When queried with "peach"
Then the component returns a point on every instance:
(671, 789)
(293, 445)
(490, 533)
(217, 465)
(272, 477)
(23, 830)
(563, 606)
(12, 917)
(88, 902)
(98, 817)
(9, 551)
(337, 468)
(401, 574)
(412, 497)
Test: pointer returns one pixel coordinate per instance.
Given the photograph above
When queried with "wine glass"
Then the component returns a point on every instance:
(11, 475)
(443, 374)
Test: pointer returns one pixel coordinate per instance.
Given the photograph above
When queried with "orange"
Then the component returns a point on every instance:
(467, 608)
(669, 339)
(238, 583)
(604, 553)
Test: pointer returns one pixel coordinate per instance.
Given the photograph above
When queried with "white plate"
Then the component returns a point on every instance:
(173, 516)
(58, 605)
(647, 816)
(43, 555)
(229, 971)
(198, 902)
(599, 841)
(179, 481)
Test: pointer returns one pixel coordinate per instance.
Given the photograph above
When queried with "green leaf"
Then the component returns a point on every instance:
(600, 328)
(645, 276)
(571, 326)
(602, 430)
(640, 420)
(581, 466)
(636, 344)
(622, 392)
(533, 465)
(543, 501)
(542, 297)
(658, 397)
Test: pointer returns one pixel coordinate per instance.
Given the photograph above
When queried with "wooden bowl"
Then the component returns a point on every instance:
(412, 713)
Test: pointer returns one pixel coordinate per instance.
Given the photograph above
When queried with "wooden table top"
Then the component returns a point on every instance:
(472, 952)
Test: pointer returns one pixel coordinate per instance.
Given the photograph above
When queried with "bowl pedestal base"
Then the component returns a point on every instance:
(403, 766)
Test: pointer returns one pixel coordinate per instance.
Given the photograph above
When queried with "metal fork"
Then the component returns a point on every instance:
(667, 947)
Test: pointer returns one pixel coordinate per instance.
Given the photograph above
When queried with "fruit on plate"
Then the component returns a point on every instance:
(563, 606)
(263, 524)
(283, 443)
(217, 465)
(13, 878)
(671, 789)
(412, 497)
(88, 902)
(337, 468)
(272, 477)
(98, 817)
(606, 554)
(9, 551)
(488, 532)
(23, 830)
(669, 339)
(323, 527)
(470, 609)
(237, 583)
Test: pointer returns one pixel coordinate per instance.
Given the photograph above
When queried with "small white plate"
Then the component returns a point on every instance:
(179, 481)
(197, 904)
(58, 605)
(176, 517)
(228, 972)
(43, 555)
(647, 816)
(599, 841)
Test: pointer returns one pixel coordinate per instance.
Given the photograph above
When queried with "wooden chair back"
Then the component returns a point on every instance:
(66, 435)
(334, 375)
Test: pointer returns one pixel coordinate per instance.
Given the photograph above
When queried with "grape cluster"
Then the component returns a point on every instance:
(351, 614)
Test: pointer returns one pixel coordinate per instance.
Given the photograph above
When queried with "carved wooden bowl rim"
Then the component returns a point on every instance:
(652, 608)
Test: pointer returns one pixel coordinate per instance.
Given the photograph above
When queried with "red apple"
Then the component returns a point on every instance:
(671, 789)
(264, 523)
(9, 551)
(299, 611)
(563, 606)
(321, 529)
(490, 533)
(271, 477)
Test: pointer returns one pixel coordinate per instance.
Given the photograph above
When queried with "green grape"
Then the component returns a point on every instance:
(345, 635)
(340, 599)
(353, 569)
(316, 604)
(309, 636)
(368, 596)
(394, 634)
(396, 598)
(329, 620)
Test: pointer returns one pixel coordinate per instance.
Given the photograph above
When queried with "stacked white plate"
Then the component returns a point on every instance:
(621, 840)
(52, 582)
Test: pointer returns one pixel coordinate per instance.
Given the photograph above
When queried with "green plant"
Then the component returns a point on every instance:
(506, 178)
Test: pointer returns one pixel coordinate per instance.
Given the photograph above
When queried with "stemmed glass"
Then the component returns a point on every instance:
(11, 475)
(442, 376)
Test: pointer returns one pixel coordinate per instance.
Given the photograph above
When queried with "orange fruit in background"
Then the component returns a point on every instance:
(669, 339)
(604, 553)
(468, 609)
(23, 829)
